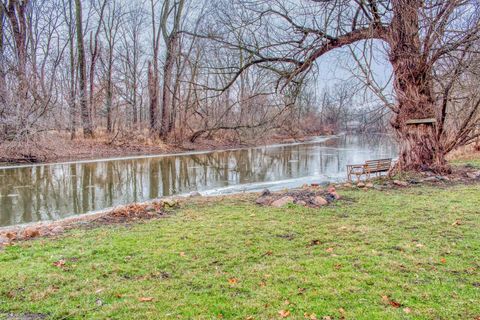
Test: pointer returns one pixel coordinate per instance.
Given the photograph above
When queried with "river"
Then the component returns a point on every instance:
(55, 191)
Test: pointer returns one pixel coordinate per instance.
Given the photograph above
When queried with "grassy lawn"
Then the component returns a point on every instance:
(404, 254)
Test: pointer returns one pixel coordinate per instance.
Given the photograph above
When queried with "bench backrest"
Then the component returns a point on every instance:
(378, 165)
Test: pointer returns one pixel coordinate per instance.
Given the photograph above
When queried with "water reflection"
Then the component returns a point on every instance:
(52, 192)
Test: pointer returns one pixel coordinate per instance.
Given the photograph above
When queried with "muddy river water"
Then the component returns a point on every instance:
(55, 191)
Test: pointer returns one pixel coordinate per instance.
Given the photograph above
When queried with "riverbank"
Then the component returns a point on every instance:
(394, 253)
(60, 148)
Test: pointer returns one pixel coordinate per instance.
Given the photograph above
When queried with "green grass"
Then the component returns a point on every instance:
(401, 243)
(472, 159)
(472, 162)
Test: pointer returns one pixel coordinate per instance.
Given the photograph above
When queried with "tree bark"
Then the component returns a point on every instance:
(153, 96)
(86, 119)
(167, 82)
(2, 57)
(72, 104)
(15, 12)
(419, 148)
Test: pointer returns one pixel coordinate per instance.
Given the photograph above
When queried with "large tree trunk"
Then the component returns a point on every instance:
(72, 104)
(153, 96)
(2, 58)
(16, 13)
(109, 92)
(419, 148)
(86, 119)
(167, 82)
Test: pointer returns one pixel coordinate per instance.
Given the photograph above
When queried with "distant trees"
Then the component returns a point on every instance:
(182, 70)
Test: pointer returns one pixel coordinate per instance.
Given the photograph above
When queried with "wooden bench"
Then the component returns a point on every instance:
(369, 167)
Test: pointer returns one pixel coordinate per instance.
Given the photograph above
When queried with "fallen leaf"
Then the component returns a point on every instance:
(338, 266)
(407, 310)
(11, 235)
(443, 260)
(145, 299)
(284, 313)
(327, 318)
(311, 316)
(232, 280)
(329, 250)
(249, 318)
(286, 302)
(182, 254)
(394, 304)
(391, 302)
(60, 263)
(268, 253)
(262, 284)
(457, 223)
(314, 242)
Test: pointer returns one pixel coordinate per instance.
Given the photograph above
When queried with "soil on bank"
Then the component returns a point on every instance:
(60, 148)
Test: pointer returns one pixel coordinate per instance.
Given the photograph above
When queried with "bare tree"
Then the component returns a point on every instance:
(288, 37)
(130, 56)
(172, 41)
(82, 65)
(111, 25)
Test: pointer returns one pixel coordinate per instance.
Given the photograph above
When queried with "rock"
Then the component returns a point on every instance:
(150, 208)
(361, 185)
(331, 189)
(305, 186)
(195, 194)
(282, 202)
(30, 233)
(377, 187)
(335, 194)
(58, 230)
(264, 201)
(170, 203)
(369, 185)
(348, 185)
(443, 178)
(430, 179)
(266, 193)
(473, 175)
(319, 201)
(44, 231)
(400, 183)
(301, 203)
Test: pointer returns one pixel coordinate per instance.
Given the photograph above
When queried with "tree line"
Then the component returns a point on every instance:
(184, 70)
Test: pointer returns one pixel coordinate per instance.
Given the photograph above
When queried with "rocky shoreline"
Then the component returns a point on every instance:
(122, 214)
